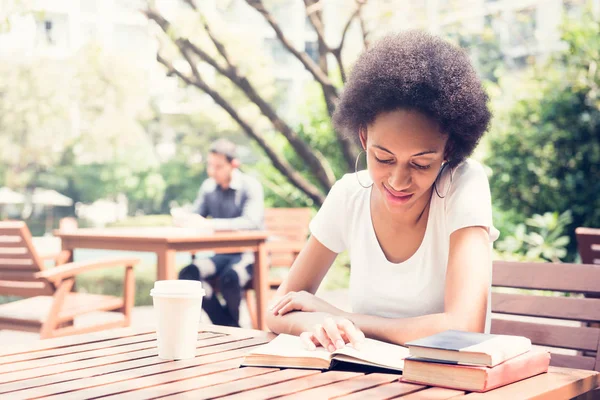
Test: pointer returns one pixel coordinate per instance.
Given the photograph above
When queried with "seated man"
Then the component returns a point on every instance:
(234, 201)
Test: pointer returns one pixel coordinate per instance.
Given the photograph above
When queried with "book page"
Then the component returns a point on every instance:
(377, 353)
(290, 346)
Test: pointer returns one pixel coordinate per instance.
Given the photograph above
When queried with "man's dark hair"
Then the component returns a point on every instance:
(225, 148)
(417, 71)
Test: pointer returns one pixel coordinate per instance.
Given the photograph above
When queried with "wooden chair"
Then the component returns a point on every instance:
(568, 278)
(49, 306)
(588, 244)
(289, 229)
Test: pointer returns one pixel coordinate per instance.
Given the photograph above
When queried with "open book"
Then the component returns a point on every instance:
(287, 351)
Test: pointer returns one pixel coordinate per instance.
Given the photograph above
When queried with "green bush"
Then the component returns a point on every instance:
(110, 282)
(545, 150)
(541, 238)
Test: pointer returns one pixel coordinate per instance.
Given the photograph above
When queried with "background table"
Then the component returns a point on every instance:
(166, 241)
(123, 365)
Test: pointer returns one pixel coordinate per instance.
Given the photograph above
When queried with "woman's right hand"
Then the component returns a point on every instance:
(333, 334)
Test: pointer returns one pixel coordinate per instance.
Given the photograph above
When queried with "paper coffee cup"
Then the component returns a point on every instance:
(177, 306)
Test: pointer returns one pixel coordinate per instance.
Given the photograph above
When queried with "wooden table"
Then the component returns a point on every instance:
(166, 241)
(123, 364)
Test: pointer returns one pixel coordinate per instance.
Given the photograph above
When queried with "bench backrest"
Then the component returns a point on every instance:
(588, 244)
(286, 225)
(539, 310)
(19, 262)
(289, 223)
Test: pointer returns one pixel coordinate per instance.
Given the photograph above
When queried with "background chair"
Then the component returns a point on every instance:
(50, 306)
(574, 279)
(288, 228)
(588, 245)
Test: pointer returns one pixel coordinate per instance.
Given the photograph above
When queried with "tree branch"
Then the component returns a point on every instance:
(183, 42)
(337, 52)
(363, 28)
(329, 90)
(218, 45)
(280, 164)
(315, 16)
(313, 12)
(323, 175)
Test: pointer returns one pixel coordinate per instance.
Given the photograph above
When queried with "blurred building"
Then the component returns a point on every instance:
(57, 29)
(525, 30)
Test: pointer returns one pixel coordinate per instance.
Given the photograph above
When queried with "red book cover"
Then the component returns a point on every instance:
(475, 378)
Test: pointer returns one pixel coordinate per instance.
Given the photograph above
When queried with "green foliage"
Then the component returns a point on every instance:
(316, 129)
(338, 276)
(545, 149)
(110, 282)
(542, 237)
(484, 49)
(182, 183)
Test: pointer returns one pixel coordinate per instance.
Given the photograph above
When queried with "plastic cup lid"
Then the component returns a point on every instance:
(178, 288)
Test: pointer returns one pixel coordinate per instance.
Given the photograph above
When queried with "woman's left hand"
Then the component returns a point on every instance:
(302, 301)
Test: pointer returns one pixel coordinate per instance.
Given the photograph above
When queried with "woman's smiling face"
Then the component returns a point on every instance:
(405, 151)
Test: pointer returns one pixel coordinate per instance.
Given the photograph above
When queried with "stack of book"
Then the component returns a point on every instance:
(472, 361)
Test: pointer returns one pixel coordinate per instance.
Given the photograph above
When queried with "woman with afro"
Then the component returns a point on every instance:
(417, 222)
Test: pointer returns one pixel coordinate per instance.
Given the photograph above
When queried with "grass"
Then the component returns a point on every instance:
(110, 281)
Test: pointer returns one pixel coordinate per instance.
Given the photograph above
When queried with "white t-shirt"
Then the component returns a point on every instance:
(416, 286)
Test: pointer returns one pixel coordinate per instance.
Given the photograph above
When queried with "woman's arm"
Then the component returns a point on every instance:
(306, 274)
(465, 304)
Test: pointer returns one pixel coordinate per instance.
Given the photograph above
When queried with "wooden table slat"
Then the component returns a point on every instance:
(81, 388)
(296, 385)
(115, 369)
(244, 385)
(139, 378)
(205, 381)
(557, 385)
(213, 347)
(434, 393)
(344, 387)
(67, 341)
(387, 391)
(123, 364)
(77, 348)
(207, 339)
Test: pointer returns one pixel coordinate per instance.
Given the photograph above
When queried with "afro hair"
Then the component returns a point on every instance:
(417, 71)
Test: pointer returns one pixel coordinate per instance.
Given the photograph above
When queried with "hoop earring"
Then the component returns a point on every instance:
(438, 177)
(356, 171)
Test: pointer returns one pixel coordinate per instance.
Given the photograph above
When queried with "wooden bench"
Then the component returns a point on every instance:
(576, 280)
(288, 228)
(50, 306)
(588, 245)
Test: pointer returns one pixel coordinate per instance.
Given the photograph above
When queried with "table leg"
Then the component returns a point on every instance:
(165, 266)
(261, 285)
(66, 254)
